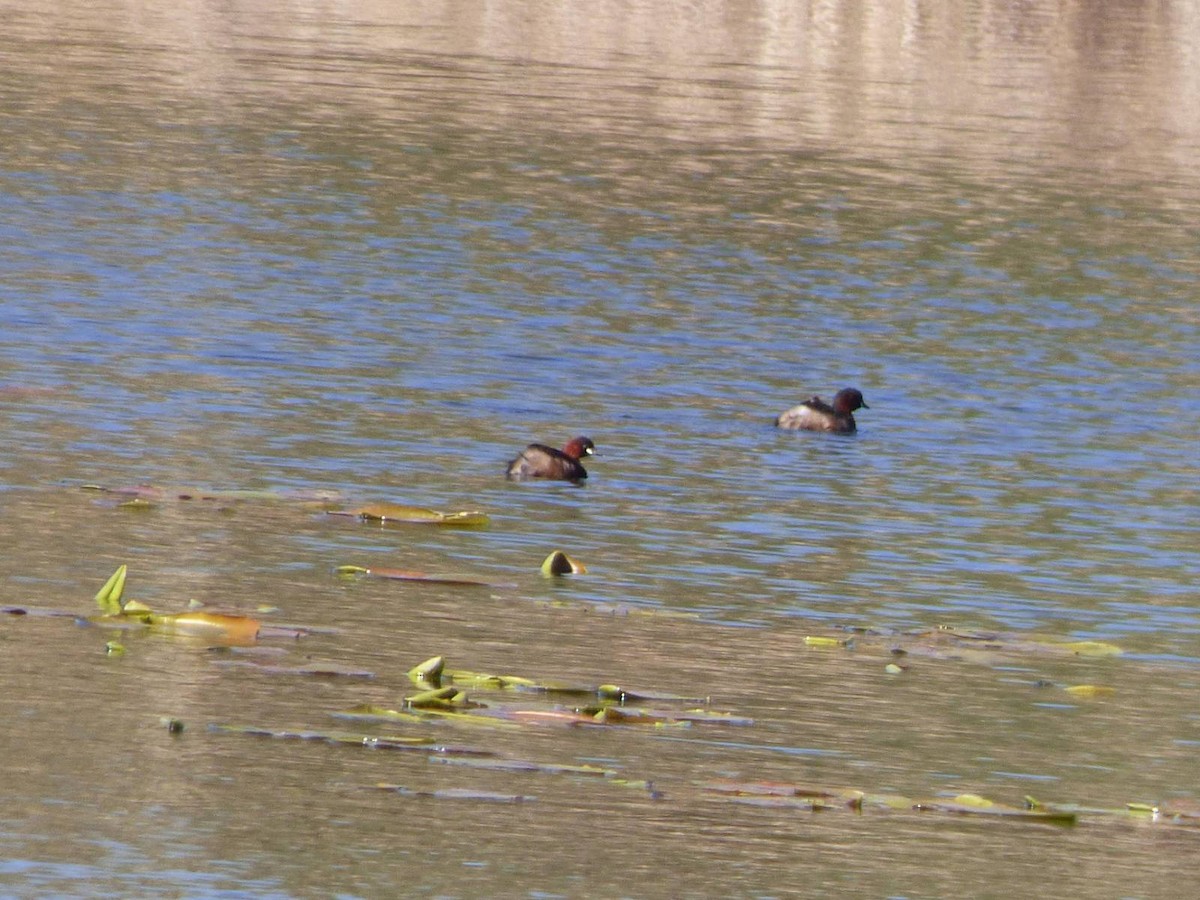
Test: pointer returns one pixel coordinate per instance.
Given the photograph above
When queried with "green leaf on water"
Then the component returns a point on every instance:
(829, 642)
(369, 713)
(415, 515)
(137, 503)
(1092, 648)
(108, 598)
(614, 715)
(974, 801)
(229, 627)
(494, 682)
(490, 681)
(430, 670)
(448, 697)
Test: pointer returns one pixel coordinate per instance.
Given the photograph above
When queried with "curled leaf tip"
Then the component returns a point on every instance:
(558, 563)
(430, 670)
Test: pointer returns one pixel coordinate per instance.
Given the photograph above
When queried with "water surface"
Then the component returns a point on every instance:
(377, 251)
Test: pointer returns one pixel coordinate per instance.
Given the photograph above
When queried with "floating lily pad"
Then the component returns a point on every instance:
(973, 804)
(818, 798)
(414, 515)
(210, 625)
(423, 675)
(120, 613)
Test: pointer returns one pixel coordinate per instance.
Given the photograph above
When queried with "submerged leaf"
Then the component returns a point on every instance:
(143, 494)
(407, 575)
(315, 669)
(974, 800)
(456, 794)
(369, 713)
(551, 716)
(1090, 690)
(136, 503)
(370, 742)
(1092, 648)
(226, 626)
(522, 765)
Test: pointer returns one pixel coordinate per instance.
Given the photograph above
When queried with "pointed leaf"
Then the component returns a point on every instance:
(430, 670)
(108, 598)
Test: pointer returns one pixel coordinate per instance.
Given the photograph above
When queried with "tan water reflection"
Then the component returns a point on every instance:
(1110, 88)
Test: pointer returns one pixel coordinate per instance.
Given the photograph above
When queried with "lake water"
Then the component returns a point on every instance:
(375, 251)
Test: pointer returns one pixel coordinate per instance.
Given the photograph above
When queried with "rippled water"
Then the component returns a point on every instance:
(378, 251)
